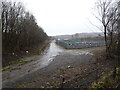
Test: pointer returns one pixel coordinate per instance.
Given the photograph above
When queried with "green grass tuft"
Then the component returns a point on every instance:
(5, 68)
(23, 61)
(20, 61)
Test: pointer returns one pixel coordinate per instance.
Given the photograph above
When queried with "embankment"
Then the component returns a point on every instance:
(7, 58)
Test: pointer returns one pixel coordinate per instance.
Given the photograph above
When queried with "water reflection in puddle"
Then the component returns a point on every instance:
(80, 52)
(50, 54)
(55, 50)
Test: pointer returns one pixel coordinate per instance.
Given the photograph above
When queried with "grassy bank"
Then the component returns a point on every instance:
(14, 62)
(18, 57)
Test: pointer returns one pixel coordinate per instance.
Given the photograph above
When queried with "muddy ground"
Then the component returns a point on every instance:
(59, 67)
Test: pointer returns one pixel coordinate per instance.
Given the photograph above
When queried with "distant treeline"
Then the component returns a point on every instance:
(19, 28)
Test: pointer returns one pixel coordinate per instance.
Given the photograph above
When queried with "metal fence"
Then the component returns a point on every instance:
(76, 45)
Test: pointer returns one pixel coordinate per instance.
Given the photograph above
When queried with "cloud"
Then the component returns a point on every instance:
(61, 16)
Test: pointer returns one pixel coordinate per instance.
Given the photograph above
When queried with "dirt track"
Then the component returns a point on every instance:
(47, 70)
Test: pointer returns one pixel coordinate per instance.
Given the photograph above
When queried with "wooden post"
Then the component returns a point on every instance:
(62, 83)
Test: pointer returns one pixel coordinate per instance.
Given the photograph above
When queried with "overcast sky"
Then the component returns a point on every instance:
(58, 17)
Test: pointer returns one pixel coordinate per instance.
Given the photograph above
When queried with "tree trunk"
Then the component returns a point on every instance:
(105, 37)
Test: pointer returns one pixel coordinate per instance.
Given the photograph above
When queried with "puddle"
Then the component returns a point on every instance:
(55, 50)
(83, 53)
(50, 54)
(79, 52)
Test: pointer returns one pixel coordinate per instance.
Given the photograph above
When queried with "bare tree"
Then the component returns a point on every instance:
(109, 16)
(19, 28)
(112, 28)
(106, 15)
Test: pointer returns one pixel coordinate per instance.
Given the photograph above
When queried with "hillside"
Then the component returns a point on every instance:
(79, 35)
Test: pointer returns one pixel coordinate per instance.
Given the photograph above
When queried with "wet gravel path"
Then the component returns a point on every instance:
(47, 70)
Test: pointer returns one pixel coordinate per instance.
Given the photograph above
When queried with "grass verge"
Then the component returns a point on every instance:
(20, 61)
(15, 62)
(5, 68)
(108, 80)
